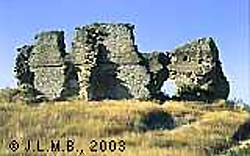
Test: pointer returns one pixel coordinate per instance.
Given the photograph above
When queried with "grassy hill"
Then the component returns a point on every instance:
(124, 128)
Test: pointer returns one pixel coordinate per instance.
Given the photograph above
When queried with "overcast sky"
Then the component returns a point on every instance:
(160, 25)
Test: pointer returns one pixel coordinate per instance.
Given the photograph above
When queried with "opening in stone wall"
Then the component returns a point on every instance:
(68, 37)
(185, 58)
(169, 88)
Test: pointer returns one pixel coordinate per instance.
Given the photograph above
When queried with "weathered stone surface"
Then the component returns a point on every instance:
(71, 85)
(119, 43)
(157, 65)
(49, 81)
(99, 52)
(47, 64)
(196, 71)
(49, 49)
(84, 53)
(104, 63)
(136, 79)
(114, 41)
(104, 83)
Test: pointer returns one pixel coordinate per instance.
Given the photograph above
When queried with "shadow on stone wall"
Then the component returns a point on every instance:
(216, 87)
(71, 85)
(156, 63)
(104, 83)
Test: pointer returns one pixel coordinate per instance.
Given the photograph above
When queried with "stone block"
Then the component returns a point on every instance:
(196, 70)
(136, 79)
(48, 50)
(49, 81)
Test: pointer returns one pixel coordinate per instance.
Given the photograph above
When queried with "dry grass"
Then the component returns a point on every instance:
(209, 130)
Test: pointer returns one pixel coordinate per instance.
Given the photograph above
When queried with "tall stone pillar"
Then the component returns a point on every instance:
(47, 64)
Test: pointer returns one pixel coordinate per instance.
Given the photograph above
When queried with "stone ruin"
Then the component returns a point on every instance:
(108, 63)
(104, 63)
(196, 70)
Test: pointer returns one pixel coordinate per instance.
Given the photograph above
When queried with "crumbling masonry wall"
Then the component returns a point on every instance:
(196, 70)
(108, 62)
(104, 63)
(156, 63)
(47, 63)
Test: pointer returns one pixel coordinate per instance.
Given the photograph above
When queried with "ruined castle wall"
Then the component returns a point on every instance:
(195, 68)
(136, 79)
(47, 64)
(104, 63)
(157, 66)
(84, 52)
(119, 43)
(103, 53)
(122, 51)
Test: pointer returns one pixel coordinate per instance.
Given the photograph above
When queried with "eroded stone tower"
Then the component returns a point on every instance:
(196, 70)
